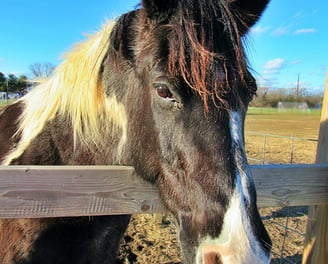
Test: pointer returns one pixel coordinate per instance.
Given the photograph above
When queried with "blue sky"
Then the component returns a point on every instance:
(291, 39)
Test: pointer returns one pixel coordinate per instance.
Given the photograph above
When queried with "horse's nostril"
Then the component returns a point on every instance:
(212, 258)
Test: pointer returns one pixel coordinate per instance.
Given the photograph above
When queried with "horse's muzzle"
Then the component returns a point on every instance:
(210, 255)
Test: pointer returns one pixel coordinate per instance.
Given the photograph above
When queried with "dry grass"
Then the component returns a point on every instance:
(290, 127)
(283, 148)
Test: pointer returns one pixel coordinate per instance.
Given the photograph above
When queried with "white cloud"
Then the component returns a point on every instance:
(295, 84)
(280, 31)
(271, 71)
(274, 65)
(305, 14)
(305, 31)
(299, 14)
(317, 89)
(296, 62)
(258, 30)
(267, 81)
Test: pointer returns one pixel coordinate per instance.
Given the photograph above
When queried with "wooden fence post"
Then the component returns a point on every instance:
(316, 239)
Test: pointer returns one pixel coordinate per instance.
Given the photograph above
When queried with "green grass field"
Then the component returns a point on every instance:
(5, 102)
(276, 111)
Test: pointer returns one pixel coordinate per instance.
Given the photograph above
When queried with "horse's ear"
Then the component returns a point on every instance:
(247, 12)
(159, 8)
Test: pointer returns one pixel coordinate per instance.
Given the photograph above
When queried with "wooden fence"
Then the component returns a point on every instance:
(59, 191)
(53, 191)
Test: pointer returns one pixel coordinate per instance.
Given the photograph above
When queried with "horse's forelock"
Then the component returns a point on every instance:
(205, 48)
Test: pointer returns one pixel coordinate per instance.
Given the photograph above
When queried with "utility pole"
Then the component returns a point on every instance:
(298, 87)
(7, 88)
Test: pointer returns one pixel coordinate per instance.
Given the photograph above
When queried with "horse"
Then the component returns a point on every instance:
(165, 89)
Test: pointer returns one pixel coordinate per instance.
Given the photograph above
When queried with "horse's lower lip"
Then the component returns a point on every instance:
(210, 255)
(212, 258)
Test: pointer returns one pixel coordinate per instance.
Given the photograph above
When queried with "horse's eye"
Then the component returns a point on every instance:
(163, 91)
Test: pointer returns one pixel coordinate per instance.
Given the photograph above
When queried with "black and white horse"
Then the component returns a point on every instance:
(164, 89)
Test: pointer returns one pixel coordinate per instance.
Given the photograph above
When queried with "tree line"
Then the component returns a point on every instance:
(13, 83)
(267, 97)
(19, 84)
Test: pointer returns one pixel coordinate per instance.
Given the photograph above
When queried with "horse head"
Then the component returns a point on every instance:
(189, 90)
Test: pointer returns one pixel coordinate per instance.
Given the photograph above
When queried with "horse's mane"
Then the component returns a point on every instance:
(75, 92)
(206, 49)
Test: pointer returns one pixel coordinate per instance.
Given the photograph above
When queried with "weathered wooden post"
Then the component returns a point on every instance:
(316, 240)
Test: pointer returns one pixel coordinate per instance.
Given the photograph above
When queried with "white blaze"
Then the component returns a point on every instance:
(237, 243)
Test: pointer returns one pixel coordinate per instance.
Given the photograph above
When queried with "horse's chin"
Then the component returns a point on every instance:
(228, 240)
(211, 256)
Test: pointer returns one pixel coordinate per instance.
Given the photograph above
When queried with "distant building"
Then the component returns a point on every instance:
(292, 105)
(3, 95)
(318, 106)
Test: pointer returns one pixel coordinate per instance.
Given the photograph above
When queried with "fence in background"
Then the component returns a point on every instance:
(288, 221)
(316, 233)
(289, 145)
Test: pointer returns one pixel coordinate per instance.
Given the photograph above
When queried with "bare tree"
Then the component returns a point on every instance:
(42, 70)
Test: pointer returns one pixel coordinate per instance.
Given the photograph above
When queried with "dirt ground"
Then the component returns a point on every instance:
(152, 239)
(286, 227)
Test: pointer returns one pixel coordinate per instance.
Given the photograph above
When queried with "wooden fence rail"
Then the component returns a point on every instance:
(53, 191)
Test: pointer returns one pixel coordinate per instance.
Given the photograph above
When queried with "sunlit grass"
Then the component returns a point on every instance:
(5, 102)
(274, 111)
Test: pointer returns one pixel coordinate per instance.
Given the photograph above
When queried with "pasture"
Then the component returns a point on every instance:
(282, 137)
(5, 102)
(147, 236)
(303, 124)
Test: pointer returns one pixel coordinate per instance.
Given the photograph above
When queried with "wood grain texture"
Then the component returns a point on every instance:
(316, 239)
(53, 191)
(291, 185)
(37, 191)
